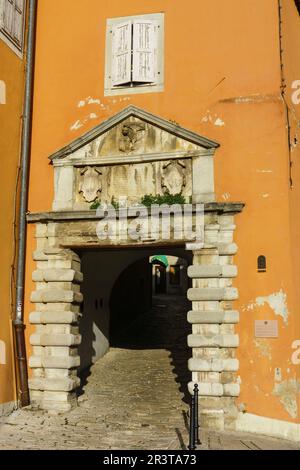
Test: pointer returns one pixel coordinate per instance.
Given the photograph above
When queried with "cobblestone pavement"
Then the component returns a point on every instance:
(132, 399)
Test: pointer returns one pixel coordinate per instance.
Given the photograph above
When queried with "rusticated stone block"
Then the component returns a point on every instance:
(55, 340)
(213, 316)
(57, 275)
(207, 271)
(54, 317)
(205, 294)
(57, 295)
(214, 365)
(59, 385)
(207, 389)
(219, 341)
(231, 390)
(54, 362)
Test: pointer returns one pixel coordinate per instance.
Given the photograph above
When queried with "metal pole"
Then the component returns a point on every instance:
(196, 395)
(18, 321)
(192, 445)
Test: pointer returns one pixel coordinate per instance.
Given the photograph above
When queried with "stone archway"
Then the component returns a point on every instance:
(95, 169)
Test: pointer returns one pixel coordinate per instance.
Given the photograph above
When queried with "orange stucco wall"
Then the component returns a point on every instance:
(291, 72)
(12, 73)
(222, 80)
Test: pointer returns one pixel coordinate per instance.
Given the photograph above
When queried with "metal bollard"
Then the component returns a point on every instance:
(196, 418)
(192, 444)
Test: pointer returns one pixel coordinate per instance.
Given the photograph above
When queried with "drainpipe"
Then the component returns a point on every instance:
(283, 92)
(18, 322)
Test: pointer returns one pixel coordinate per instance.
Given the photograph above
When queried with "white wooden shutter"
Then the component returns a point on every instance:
(18, 21)
(121, 53)
(8, 16)
(144, 51)
(12, 19)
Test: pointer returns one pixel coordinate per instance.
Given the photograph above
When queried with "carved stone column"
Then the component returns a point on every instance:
(213, 339)
(57, 300)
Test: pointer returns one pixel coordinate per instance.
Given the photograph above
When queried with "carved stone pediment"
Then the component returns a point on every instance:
(132, 154)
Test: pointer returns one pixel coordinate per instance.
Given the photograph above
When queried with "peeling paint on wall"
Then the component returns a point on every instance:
(219, 122)
(213, 119)
(2, 353)
(2, 92)
(276, 301)
(287, 392)
(78, 124)
(87, 101)
(296, 355)
(264, 348)
(254, 98)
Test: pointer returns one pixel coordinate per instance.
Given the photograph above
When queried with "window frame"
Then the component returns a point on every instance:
(6, 37)
(158, 86)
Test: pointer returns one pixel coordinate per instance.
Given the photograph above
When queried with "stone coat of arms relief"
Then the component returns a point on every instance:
(173, 177)
(90, 185)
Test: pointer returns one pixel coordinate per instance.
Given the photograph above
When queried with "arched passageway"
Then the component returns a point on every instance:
(135, 337)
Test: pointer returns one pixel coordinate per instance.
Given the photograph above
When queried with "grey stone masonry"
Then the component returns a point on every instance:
(213, 340)
(57, 300)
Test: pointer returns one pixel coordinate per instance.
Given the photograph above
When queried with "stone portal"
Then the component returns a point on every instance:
(132, 155)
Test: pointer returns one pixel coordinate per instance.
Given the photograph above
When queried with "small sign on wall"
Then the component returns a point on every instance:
(266, 328)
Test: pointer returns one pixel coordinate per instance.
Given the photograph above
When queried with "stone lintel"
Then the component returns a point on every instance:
(217, 207)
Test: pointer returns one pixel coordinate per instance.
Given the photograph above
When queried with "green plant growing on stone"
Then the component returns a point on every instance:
(96, 204)
(160, 199)
(115, 204)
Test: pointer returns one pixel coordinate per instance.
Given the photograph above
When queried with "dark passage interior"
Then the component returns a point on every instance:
(135, 300)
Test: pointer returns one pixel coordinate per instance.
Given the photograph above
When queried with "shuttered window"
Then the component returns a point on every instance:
(134, 52)
(121, 52)
(12, 21)
(143, 54)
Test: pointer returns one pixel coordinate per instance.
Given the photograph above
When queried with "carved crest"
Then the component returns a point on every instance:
(173, 177)
(132, 134)
(90, 184)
